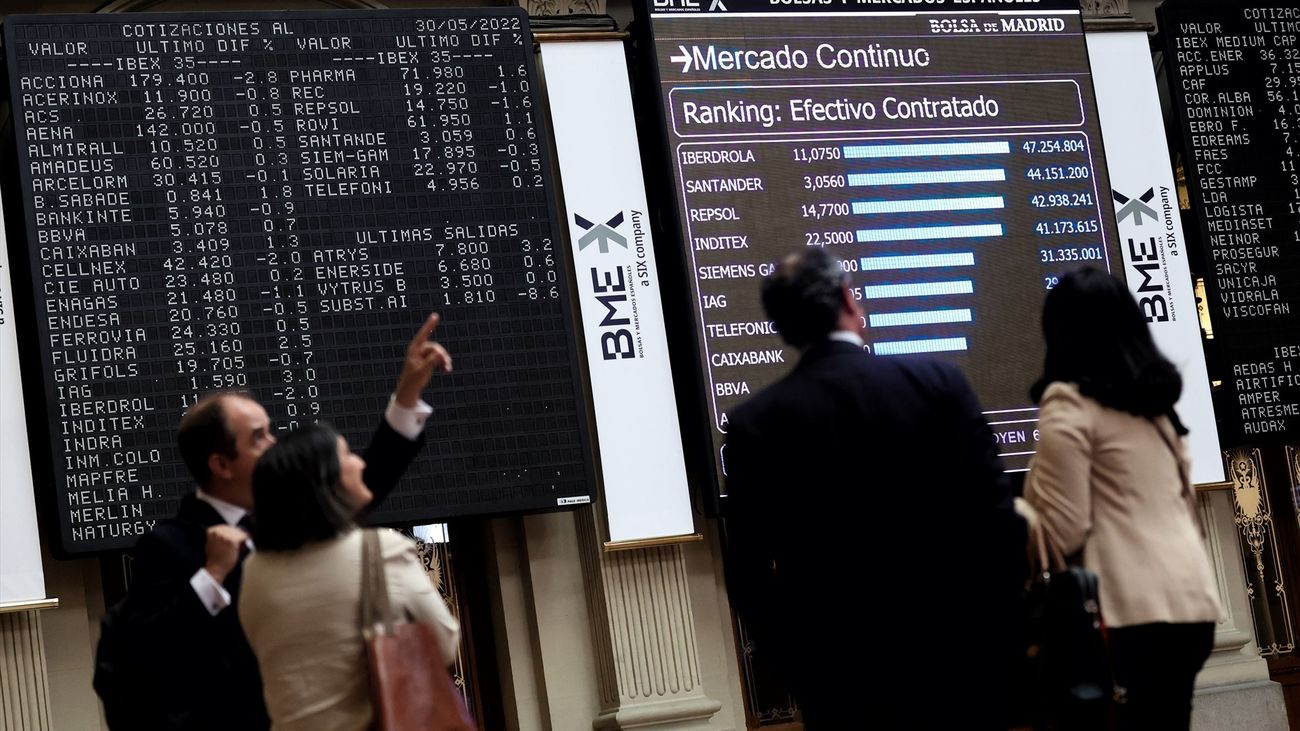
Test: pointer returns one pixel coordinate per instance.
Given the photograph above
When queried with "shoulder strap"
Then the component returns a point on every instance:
(1049, 556)
(376, 612)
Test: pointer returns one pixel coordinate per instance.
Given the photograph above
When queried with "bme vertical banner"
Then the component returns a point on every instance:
(645, 489)
(1150, 231)
(21, 576)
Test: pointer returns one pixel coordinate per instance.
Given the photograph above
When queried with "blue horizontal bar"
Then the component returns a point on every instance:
(907, 347)
(923, 177)
(917, 289)
(924, 317)
(929, 149)
(917, 261)
(925, 233)
(923, 205)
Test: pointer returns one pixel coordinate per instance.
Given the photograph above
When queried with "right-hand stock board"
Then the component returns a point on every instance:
(1235, 80)
(948, 153)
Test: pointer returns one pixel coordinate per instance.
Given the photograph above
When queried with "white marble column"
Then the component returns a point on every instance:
(24, 684)
(643, 635)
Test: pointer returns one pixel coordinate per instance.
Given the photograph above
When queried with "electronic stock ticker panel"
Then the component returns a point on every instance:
(274, 202)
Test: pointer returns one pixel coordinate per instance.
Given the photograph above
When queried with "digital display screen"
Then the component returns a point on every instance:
(948, 153)
(1235, 82)
(274, 202)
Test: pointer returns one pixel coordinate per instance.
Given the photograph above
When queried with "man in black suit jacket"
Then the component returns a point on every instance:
(873, 552)
(186, 577)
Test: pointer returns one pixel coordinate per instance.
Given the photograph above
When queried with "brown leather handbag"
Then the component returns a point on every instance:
(409, 686)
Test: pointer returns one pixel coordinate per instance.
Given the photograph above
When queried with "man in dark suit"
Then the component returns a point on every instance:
(873, 552)
(186, 574)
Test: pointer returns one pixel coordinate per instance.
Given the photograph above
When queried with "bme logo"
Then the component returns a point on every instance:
(1144, 252)
(601, 234)
(1135, 208)
(714, 5)
(610, 286)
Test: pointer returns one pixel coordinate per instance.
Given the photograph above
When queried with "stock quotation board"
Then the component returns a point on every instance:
(1234, 70)
(274, 202)
(948, 153)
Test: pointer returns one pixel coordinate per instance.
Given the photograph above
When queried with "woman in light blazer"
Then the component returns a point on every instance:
(301, 595)
(1110, 479)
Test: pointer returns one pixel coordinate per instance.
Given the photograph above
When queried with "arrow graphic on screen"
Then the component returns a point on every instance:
(601, 234)
(684, 59)
(1135, 207)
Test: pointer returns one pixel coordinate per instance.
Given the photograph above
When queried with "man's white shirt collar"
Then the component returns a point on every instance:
(229, 512)
(845, 336)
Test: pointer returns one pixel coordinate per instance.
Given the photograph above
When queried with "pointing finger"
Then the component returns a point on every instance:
(426, 329)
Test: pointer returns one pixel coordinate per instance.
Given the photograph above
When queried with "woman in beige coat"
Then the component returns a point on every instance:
(301, 596)
(1110, 480)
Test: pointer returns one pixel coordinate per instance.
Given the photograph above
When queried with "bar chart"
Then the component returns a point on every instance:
(950, 243)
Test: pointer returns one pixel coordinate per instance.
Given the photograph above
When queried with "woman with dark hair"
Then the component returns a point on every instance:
(301, 598)
(1110, 479)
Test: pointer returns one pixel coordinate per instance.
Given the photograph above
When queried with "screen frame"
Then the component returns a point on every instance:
(39, 394)
(659, 165)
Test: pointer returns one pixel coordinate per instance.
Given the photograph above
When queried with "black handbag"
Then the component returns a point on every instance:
(1069, 666)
